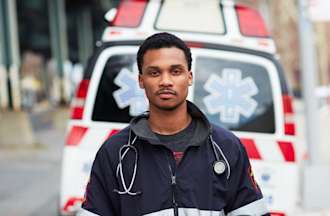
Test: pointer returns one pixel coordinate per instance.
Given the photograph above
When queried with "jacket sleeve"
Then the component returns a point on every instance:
(99, 196)
(246, 197)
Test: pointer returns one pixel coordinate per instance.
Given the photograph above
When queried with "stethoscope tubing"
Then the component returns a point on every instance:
(215, 145)
(119, 171)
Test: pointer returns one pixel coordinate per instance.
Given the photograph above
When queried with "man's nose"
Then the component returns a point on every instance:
(166, 79)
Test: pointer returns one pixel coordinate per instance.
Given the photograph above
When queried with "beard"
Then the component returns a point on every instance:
(169, 106)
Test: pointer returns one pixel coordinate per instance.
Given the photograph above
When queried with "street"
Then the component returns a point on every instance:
(30, 177)
(29, 186)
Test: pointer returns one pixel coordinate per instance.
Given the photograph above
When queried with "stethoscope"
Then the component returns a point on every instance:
(119, 172)
(219, 166)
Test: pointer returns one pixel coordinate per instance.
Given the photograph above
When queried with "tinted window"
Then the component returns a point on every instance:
(109, 108)
(236, 95)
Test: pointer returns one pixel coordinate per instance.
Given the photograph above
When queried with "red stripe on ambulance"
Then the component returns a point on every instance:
(75, 135)
(251, 149)
(268, 150)
(287, 150)
(112, 132)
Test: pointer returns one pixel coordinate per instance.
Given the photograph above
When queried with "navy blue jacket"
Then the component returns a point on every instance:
(163, 188)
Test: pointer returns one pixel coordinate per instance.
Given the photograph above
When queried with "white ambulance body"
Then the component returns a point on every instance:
(238, 84)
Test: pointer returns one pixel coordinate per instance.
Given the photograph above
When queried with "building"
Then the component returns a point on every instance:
(41, 43)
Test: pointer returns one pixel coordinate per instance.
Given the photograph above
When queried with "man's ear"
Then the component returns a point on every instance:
(190, 78)
(141, 81)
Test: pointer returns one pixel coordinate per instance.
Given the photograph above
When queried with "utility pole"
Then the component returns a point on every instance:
(59, 44)
(10, 57)
(4, 101)
(315, 177)
(14, 75)
(309, 78)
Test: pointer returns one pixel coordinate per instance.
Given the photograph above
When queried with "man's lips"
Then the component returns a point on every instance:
(166, 93)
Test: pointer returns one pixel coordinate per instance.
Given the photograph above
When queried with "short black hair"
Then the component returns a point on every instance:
(162, 40)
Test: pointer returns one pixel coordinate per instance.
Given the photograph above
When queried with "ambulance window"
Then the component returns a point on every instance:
(191, 16)
(235, 95)
(106, 106)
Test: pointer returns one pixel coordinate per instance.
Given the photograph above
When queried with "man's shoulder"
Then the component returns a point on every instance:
(228, 141)
(117, 140)
(222, 134)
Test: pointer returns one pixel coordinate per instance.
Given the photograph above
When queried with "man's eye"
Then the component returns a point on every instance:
(153, 73)
(176, 71)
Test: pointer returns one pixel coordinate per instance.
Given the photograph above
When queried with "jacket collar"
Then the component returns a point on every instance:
(140, 127)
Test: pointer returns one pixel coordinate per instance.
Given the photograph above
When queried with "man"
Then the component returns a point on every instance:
(171, 160)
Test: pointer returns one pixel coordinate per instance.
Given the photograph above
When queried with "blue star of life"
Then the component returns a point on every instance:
(230, 95)
(130, 94)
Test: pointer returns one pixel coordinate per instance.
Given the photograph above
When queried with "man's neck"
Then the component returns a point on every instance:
(169, 122)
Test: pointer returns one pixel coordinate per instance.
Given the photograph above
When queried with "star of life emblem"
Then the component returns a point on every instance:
(130, 94)
(230, 95)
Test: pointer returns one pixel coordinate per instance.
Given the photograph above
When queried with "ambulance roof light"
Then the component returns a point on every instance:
(251, 22)
(129, 13)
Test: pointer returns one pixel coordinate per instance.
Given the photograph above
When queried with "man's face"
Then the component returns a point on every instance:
(165, 78)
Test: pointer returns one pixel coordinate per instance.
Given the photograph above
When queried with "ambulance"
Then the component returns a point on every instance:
(238, 83)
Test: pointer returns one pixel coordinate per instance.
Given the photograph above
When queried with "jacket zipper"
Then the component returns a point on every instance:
(175, 205)
(173, 185)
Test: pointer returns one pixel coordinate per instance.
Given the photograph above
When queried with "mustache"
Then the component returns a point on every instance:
(166, 91)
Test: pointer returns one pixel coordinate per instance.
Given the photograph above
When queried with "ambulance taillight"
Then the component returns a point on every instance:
(250, 22)
(289, 124)
(277, 214)
(78, 103)
(72, 205)
(129, 13)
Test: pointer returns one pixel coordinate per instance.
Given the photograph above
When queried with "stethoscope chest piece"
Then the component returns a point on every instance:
(219, 167)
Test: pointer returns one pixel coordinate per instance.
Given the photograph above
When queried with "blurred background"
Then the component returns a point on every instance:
(44, 47)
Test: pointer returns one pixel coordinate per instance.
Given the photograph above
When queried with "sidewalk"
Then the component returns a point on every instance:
(323, 147)
(18, 128)
(324, 128)
(316, 213)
